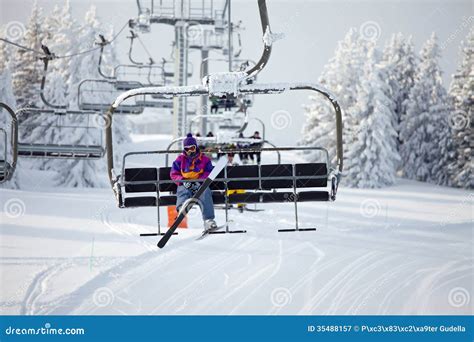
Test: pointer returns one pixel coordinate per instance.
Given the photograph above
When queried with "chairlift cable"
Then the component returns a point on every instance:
(144, 47)
(65, 56)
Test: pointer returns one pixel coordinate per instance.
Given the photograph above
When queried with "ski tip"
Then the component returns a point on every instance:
(221, 163)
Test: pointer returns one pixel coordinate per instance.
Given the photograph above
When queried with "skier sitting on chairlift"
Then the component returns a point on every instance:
(193, 164)
(256, 145)
(214, 104)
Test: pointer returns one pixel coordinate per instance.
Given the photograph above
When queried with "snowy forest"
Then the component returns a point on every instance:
(399, 120)
(20, 75)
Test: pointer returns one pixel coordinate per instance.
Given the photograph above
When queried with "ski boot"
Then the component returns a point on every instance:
(210, 225)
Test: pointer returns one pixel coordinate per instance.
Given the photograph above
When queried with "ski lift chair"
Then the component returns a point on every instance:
(7, 167)
(63, 125)
(59, 149)
(274, 183)
(94, 93)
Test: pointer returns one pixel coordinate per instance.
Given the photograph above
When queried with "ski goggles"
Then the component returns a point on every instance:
(190, 148)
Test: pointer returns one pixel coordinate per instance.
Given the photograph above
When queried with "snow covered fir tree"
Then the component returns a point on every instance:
(64, 36)
(424, 130)
(427, 135)
(340, 75)
(462, 117)
(371, 155)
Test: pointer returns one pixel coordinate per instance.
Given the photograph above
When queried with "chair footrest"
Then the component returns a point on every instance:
(297, 230)
(155, 234)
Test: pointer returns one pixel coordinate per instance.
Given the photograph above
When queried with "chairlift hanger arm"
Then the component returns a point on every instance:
(280, 88)
(103, 43)
(267, 49)
(14, 139)
(48, 56)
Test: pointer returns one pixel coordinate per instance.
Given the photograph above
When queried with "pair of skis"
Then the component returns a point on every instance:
(221, 164)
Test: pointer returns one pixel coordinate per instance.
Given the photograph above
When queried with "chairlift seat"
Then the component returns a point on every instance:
(155, 104)
(264, 184)
(127, 85)
(4, 166)
(61, 151)
(102, 107)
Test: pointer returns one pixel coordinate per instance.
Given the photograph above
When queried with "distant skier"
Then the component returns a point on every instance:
(193, 164)
(214, 104)
(256, 146)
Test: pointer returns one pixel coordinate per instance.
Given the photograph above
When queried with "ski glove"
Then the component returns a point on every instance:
(193, 186)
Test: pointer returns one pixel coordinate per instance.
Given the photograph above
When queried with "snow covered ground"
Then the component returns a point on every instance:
(406, 249)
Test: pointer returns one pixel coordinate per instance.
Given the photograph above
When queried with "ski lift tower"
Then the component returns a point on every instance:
(182, 14)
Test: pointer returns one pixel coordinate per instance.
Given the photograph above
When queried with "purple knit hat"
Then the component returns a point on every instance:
(190, 140)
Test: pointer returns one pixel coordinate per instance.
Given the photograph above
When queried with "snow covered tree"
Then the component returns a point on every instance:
(371, 151)
(64, 40)
(424, 130)
(399, 62)
(462, 118)
(340, 76)
(91, 173)
(27, 68)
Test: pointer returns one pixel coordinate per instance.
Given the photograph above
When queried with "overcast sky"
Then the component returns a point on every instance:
(312, 29)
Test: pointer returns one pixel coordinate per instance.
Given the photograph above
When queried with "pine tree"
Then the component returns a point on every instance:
(80, 173)
(27, 68)
(425, 130)
(462, 119)
(340, 76)
(399, 61)
(92, 173)
(371, 154)
(4, 52)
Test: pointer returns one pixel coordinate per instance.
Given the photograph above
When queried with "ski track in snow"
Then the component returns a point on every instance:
(90, 260)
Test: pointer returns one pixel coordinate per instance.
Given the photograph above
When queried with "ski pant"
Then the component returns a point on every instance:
(205, 201)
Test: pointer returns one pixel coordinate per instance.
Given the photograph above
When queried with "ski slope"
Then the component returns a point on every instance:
(405, 249)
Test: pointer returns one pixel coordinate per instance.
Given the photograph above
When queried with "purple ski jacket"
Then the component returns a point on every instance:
(185, 167)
